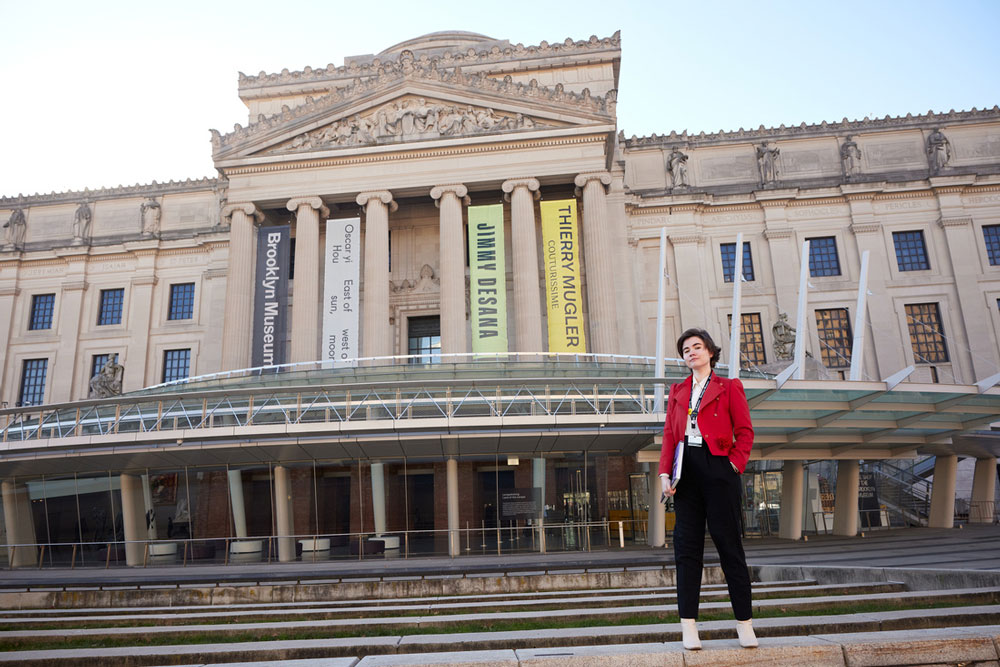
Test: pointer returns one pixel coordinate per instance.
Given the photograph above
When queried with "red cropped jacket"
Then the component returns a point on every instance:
(723, 419)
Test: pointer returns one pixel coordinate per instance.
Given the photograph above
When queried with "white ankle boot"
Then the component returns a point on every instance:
(689, 632)
(744, 629)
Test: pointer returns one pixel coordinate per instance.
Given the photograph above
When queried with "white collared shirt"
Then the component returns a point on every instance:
(697, 389)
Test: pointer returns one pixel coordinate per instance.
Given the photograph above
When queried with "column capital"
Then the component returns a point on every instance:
(314, 203)
(581, 180)
(247, 207)
(955, 222)
(383, 196)
(512, 184)
(459, 190)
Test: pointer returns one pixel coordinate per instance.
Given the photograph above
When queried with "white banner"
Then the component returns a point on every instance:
(340, 291)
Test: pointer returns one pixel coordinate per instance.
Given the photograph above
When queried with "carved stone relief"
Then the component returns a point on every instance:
(410, 120)
(426, 283)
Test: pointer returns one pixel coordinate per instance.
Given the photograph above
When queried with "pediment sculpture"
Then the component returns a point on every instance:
(410, 120)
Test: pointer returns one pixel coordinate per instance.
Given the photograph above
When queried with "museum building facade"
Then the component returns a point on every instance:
(457, 223)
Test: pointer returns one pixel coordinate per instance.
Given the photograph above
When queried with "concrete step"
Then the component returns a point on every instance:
(906, 600)
(244, 613)
(877, 643)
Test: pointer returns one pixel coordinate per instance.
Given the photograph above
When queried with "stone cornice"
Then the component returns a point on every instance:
(895, 196)
(819, 201)
(820, 129)
(679, 239)
(356, 68)
(976, 189)
(860, 228)
(417, 154)
(121, 192)
(955, 222)
(477, 84)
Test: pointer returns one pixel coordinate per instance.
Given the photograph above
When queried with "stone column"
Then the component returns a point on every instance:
(450, 198)
(8, 296)
(283, 513)
(882, 318)
(984, 482)
(600, 263)
(237, 333)
(62, 367)
(305, 303)
(790, 521)
(656, 531)
(20, 524)
(140, 319)
(538, 481)
(943, 492)
(521, 192)
(975, 354)
(133, 519)
(451, 477)
(236, 500)
(376, 336)
(845, 511)
(378, 497)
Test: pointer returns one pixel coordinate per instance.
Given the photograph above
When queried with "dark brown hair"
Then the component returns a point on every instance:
(713, 349)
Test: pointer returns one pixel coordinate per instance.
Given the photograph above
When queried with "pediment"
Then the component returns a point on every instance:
(412, 118)
(415, 107)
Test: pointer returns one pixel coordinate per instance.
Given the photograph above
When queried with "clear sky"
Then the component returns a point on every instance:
(104, 93)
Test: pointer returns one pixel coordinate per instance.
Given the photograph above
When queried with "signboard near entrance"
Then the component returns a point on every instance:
(871, 514)
(520, 504)
(270, 311)
(340, 291)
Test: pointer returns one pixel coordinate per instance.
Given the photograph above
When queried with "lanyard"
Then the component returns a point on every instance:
(693, 411)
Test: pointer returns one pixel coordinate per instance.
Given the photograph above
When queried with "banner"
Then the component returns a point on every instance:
(488, 279)
(270, 303)
(563, 294)
(340, 291)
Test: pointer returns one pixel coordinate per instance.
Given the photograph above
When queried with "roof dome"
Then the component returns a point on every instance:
(447, 40)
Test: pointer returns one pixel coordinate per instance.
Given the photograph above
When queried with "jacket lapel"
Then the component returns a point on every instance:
(713, 389)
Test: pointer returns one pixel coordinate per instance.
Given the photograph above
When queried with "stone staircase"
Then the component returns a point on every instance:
(603, 616)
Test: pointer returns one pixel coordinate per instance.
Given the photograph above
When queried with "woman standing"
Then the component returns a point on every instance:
(711, 417)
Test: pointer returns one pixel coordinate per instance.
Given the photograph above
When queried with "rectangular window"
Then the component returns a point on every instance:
(424, 339)
(751, 339)
(111, 306)
(33, 382)
(728, 251)
(176, 364)
(97, 363)
(41, 311)
(834, 329)
(911, 252)
(181, 301)
(823, 258)
(926, 333)
(991, 234)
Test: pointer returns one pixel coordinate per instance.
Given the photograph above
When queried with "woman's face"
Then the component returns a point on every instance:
(696, 354)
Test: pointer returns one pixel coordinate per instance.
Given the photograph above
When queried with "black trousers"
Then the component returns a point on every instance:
(709, 490)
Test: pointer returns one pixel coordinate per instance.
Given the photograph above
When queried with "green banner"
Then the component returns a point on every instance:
(488, 277)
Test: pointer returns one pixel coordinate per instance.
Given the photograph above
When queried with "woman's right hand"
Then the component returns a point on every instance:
(665, 489)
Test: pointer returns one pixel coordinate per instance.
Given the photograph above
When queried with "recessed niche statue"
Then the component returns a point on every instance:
(850, 157)
(149, 216)
(677, 165)
(15, 229)
(767, 163)
(938, 150)
(108, 381)
(81, 224)
(784, 337)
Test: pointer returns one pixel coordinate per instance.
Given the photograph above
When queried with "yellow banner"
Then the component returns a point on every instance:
(488, 277)
(563, 294)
